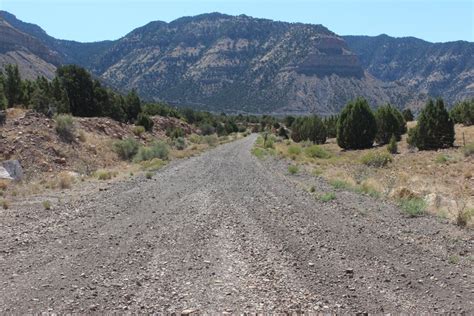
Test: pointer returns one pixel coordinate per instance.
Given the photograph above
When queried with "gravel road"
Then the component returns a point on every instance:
(225, 232)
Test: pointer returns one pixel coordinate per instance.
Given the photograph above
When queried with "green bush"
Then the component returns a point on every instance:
(293, 169)
(195, 139)
(126, 148)
(326, 197)
(441, 159)
(175, 132)
(413, 206)
(356, 127)
(435, 128)
(157, 150)
(402, 123)
(145, 121)
(309, 128)
(258, 152)
(179, 143)
(294, 150)
(376, 159)
(268, 140)
(160, 109)
(65, 127)
(389, 120)
(463, 112)
(316, 151)
(388, 124)
(392, 146)
(138, 130)
(331, 125)
(339, 184)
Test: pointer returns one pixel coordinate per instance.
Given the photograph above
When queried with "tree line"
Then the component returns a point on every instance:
(74, 91)
(359, 127)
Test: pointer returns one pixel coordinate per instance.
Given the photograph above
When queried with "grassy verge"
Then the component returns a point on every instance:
(441, 180)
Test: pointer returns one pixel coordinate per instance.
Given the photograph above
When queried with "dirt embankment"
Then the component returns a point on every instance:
(31, 138)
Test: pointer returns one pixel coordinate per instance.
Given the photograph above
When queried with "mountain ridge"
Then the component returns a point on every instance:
(219, 62)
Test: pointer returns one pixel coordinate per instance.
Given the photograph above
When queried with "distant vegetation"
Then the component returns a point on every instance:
(463, 112)
(75, 92)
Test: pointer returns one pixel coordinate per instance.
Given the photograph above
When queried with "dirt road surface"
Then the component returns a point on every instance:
(225, 232)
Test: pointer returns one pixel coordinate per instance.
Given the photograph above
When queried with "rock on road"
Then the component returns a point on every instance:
(226, 232)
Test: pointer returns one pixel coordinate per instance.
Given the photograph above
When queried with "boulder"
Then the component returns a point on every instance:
(13, 169)
(4, 174)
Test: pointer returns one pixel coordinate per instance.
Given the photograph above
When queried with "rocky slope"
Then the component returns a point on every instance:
(242, 64)
(239, 64)
(435, 69)
(31, 55)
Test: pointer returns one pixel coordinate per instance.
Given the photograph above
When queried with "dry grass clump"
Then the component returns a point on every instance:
(4, 184)
(376, 159)
(5, 204)
(65, 180)
(65, 127)
(82, 136)
(469, 150)
(46, 205)
(464, 217)
(105, 174)
(138, 130)
(153, 165)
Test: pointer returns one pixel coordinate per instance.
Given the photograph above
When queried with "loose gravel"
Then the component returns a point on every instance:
(226, 232)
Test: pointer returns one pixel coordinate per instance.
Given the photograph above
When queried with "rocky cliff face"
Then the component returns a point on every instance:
(242, 64)
(434, 69)
(239, 64)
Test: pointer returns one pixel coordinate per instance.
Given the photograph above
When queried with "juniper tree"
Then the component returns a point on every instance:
(435, 128)
(356, 127)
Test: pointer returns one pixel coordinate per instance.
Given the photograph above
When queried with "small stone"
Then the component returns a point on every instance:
(189, 311)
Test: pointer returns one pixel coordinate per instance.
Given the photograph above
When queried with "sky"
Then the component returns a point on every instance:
(94, 20)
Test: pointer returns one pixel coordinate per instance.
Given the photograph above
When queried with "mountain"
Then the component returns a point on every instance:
(67, 52)
(435, 69)
(239, 64)
(31, 55)
(243, 64)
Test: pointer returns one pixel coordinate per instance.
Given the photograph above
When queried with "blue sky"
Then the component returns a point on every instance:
(93, 20)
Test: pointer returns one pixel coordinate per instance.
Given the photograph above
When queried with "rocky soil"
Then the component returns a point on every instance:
(30, 137)
(226, 232)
